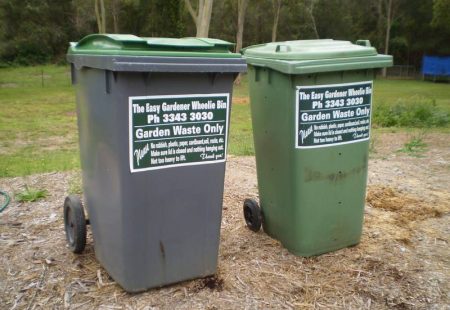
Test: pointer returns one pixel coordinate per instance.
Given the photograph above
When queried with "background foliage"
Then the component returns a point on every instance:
(38, 31)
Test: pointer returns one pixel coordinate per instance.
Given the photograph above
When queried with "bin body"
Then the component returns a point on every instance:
(311, 170)
(153, 201)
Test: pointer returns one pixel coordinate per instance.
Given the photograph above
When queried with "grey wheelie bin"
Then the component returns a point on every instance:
(153, 119)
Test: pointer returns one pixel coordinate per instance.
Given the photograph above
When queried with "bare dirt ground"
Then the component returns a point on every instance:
(403, 260)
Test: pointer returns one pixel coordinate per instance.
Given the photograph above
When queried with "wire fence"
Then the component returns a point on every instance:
(35, 77)
(57, 76)
(404, 71)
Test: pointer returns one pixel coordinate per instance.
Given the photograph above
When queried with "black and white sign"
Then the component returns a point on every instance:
(335, 114)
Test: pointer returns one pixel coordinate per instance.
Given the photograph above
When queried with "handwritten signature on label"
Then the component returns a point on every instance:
(305, 133)
(140, 153)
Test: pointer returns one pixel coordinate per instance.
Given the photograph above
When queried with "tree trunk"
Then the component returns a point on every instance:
(201, 16)
(115, 15)
(242, 7)
(77, 19)
(380, 24)
(97, 17)
(311, 16)
(389, 16)
(100, 15)
(102, 12)
(276, 17)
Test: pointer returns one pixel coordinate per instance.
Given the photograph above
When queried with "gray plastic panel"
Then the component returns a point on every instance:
(159, 64)
(150, 228)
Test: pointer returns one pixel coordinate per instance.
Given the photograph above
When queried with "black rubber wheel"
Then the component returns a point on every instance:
(75, 224)
(252, 215)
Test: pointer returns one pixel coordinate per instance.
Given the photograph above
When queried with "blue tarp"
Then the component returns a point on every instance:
(436, 65)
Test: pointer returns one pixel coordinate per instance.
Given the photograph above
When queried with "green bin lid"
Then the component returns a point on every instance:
(131, 45)
(309, 56)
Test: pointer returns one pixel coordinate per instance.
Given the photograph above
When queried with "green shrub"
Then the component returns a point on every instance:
(412, 112)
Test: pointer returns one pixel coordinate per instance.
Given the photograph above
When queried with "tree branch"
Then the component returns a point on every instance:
(191, 10)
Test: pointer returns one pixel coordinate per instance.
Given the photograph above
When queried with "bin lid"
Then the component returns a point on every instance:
(309, 56)
(131, 45)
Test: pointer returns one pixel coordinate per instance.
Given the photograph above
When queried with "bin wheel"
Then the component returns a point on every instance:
(252, 214)
(75, 224)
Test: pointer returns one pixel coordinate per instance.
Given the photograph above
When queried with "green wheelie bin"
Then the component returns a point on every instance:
(311, 103)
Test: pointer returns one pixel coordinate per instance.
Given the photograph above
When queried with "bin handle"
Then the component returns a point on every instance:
(282, 48)
(363, 43)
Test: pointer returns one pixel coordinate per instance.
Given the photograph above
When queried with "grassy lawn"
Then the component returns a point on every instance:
(38, 131)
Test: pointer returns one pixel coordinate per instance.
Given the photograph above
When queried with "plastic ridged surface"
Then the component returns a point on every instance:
(309, 56)
(130, 45)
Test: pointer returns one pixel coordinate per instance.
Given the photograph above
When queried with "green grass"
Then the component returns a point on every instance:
(391, 90)
(241, 136)
(31, 194)
(241, 90)
(75, 185)
(38, 131)
(415, 146)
